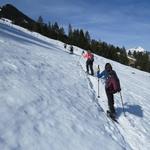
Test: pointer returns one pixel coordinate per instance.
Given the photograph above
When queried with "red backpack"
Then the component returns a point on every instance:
(113, 83)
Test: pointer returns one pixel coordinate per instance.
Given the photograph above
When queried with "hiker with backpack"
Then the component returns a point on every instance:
(89, 62)
(112, 86)
(71, 49)
(65, 45)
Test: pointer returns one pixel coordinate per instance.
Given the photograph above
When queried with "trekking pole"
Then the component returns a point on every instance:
(122, 104)
(80, 58)
(98, 88)
(98, 69)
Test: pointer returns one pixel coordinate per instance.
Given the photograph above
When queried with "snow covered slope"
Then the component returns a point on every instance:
(47, 102)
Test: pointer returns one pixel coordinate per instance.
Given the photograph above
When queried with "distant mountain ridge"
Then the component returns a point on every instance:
(136, 49)
(10, 12)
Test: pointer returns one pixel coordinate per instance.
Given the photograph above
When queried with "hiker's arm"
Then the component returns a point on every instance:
(99, 75)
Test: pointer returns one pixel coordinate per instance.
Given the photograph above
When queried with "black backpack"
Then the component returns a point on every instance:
(92, 59)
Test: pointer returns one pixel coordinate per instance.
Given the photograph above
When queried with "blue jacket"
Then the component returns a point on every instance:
(103, 74)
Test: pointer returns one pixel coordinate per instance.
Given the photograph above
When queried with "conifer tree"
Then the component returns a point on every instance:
(40, 20)
(129, 53)
(70, 33)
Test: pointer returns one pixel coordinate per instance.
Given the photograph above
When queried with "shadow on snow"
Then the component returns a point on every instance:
(132, 109)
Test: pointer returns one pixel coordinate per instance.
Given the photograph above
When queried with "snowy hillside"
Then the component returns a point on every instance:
(47, 102)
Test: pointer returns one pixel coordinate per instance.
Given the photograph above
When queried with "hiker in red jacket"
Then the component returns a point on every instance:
(89, 63)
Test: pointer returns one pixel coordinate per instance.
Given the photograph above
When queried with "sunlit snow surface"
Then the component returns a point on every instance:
(47, 102)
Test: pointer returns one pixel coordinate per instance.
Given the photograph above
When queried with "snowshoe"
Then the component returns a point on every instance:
(111, 115)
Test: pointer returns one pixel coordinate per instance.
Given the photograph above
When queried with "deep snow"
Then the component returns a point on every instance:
(47, 102)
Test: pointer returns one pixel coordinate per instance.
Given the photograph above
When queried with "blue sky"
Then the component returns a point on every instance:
(119, 22)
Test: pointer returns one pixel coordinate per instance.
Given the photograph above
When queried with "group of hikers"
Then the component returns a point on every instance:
(112, 83)
(71, 48)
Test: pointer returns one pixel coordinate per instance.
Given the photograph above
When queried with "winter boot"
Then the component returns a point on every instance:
(111, 115)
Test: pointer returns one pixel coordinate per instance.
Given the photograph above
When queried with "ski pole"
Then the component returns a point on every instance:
(98, 88)
(98, 69)
(122, 104)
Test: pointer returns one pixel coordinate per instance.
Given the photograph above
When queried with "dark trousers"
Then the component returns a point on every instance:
(89, 64)
(110, 98)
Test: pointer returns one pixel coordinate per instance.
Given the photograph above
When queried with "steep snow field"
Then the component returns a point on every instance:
(47, 102)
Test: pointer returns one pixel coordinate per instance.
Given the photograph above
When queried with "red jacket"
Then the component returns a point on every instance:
(88, 56)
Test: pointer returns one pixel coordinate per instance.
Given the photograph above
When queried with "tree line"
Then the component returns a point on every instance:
(80, 38)
(142, 60)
